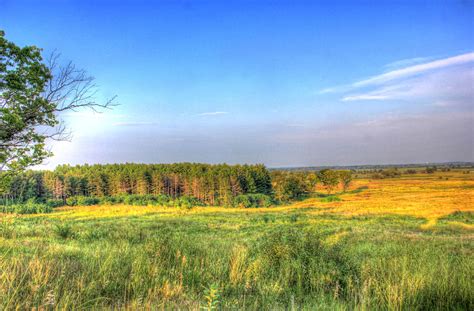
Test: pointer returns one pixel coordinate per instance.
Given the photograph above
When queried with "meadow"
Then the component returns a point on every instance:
(403, 243)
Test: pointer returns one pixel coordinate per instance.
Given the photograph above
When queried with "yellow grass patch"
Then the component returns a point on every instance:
(428, 198)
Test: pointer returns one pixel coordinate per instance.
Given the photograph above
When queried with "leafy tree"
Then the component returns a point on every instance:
(292, 188)
(329, 179)
(32, 94)
(346, 179)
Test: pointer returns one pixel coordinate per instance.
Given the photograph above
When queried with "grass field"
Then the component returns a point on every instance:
(398, 244)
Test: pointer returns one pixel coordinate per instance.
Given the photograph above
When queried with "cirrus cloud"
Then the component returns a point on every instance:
(449, 79)
(213, 113)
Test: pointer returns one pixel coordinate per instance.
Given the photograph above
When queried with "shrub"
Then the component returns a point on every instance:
(252, 200)
(71, 201)
(145, 199)
(27, 208)
(242, 201)
(110, 200)
(187, 202)
(388, 173)
(63, 230)
(87, 201)
(55, 203)
(377, 176)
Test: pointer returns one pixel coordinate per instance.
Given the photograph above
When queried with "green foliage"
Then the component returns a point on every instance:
(33, 93)
(23, 78)
(186, 202)
(87, 201)
(211, 296)
(54, 203)
(252, 200)
(346, 179)
(387, 173)
(329, 179)
(82, 201)
(142, 184)
(26, 208)
(64, 231)
(291, 186)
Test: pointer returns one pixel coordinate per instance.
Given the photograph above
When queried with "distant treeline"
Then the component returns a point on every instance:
(372, 167)
(210, 184)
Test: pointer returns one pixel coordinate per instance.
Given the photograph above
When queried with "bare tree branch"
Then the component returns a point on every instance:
(71, 89)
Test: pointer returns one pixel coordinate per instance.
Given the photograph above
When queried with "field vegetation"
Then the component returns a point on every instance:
(401, 242)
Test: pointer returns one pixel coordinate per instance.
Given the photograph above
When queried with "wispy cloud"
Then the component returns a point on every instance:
(134, 123)
(368, 96)
(213, 113)
(443, 79)
(452, 85)
(416, 69)
(406, 62)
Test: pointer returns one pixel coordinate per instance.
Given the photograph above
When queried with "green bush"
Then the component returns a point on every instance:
(145, 199)
(71, 201)
(63, 230)
(87, 201)
(242, 201)
(26, 208)
(252, 200)
(55, 203)
(187, 202)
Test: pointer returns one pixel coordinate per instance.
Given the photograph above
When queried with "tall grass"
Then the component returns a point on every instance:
(312, 256)
(283, 267)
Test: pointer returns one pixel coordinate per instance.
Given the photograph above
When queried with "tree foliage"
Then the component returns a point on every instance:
(346, 179)
(210, 184)
(23, 78)
(329, 179)
(32, 94)
(293, 185)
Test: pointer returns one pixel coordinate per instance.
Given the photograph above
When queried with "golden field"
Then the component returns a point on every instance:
(386, 244)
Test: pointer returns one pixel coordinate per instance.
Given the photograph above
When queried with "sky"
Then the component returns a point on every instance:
(284, 83)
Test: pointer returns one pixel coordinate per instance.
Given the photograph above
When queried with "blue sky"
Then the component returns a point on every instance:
(284, 83)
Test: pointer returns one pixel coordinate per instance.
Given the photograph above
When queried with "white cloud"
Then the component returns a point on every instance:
(213, 113)
(416, 69)
(448, 80)
(406, 62)
(364, 97)
(134, 123)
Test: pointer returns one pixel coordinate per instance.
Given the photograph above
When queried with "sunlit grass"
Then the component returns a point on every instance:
(404, 243)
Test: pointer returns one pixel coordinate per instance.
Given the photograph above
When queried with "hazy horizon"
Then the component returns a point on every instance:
(275, 82)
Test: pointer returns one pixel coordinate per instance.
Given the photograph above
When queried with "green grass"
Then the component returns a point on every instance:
(232, 260)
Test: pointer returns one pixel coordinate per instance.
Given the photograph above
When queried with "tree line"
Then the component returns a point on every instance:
(293, 185)
(210, 184)
(170, 184)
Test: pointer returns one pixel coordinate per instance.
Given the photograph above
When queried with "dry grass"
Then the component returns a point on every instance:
(430, 199)
(403, 243)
